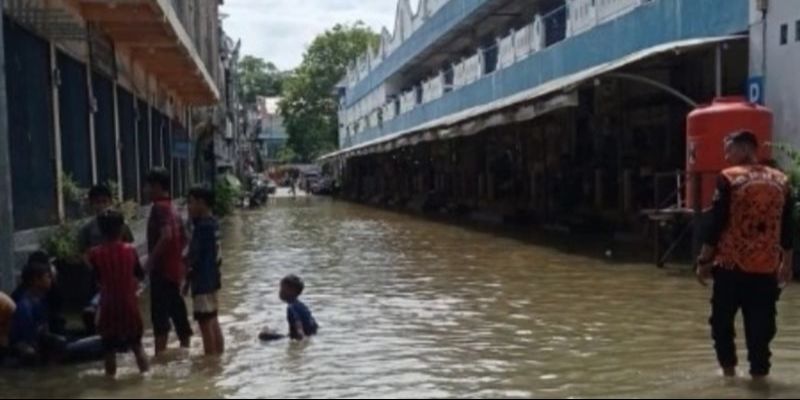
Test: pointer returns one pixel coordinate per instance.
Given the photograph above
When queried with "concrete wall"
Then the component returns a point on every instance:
(782, 85)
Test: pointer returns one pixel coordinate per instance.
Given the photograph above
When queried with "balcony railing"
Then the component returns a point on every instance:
(572, 19)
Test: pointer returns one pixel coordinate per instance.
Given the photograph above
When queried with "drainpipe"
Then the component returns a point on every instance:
(6, 204)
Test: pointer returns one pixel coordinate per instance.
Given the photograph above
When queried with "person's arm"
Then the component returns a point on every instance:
(720, 215)
(83, 242)
(165, 220)
(127, 234)
(138, 271)
(299, 331)
(788, 227)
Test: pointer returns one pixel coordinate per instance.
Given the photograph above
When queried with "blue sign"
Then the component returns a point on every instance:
(755, 90)
(181, 148)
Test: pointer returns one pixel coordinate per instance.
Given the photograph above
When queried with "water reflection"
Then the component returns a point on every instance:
(412, 308)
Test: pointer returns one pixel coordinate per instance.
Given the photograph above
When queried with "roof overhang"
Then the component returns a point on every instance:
(156, 39)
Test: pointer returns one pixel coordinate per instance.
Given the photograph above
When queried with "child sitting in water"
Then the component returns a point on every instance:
(118, 271)
(301, 323)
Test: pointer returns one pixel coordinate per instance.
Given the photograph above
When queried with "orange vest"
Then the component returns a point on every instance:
(751, 241)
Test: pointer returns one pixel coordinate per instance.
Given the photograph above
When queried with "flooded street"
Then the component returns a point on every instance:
(413, 308)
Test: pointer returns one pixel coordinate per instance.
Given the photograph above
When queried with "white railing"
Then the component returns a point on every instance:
(408, 101)
(389, 111)
(374, 119)
(611, 9)
(433, 88)
(468, 71)
(582, 15)
(506, 53)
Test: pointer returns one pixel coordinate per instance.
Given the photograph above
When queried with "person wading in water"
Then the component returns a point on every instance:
(748, 254)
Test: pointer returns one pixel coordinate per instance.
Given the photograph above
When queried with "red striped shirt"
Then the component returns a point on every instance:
(116, 265)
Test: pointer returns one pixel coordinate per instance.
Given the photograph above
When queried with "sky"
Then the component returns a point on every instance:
(280, 30)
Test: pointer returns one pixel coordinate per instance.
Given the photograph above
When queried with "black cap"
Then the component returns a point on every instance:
(743, 137)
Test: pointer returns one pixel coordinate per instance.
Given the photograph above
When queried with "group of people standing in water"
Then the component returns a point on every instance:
(748, 253)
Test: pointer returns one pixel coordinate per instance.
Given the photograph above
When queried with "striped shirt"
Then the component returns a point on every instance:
(117, 267)
(170, 265)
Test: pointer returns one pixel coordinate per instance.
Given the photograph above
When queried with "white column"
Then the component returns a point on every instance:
(55, 83)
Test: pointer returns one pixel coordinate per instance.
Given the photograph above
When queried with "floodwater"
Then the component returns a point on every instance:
(414, 308)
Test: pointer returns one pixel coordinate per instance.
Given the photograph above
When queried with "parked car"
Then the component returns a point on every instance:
(323, 187)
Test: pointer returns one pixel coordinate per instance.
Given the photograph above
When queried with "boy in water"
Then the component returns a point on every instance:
(165, 242)
(30, 338)
(204, 265)
(119, 273)
(301, 323)
(89, 237)
(100, 200)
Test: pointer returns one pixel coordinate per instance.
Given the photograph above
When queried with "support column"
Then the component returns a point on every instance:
(117, 143)
(6, 203)
(56, 92)
(718, 70)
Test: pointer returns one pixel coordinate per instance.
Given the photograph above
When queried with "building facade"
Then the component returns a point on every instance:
(103, 92)
(774, 61)
(563, 112)
(270, 130)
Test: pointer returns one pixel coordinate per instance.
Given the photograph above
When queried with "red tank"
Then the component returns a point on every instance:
(707, 127)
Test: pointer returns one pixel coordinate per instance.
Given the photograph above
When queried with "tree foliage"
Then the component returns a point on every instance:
(309, 105)
(259, 78)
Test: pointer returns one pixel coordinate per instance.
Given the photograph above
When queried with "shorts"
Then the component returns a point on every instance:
(206, 306)
(167, 306)
(115, 344)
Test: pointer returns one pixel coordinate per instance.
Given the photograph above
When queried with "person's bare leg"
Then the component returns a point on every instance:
(220, 339)
(209, 341)
(141, 359)
(161, 344)
(111, 364)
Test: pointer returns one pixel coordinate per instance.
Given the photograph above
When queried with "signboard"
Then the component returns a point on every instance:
(181, 148)
(755, 90)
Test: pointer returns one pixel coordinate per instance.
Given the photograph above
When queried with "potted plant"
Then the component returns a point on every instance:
(791, 167)
(74, 284)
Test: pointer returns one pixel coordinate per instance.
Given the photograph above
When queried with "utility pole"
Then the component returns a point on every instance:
(6, 204)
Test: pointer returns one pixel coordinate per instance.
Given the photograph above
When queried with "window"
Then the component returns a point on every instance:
(797, 31)
(784, 34)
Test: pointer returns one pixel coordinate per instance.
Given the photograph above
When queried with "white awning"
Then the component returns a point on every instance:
(506, 110)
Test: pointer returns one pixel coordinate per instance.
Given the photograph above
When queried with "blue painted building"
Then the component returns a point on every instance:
(451, 56)
(545, 110)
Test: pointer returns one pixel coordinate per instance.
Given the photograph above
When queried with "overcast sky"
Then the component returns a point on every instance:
(280, 30)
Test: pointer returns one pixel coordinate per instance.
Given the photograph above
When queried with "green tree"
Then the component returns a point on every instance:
(309, 105)
(259, 78)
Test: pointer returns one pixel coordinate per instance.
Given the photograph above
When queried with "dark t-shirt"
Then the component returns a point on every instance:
(204, 257)
(298, 312)
(29, 321)
(170, 265)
